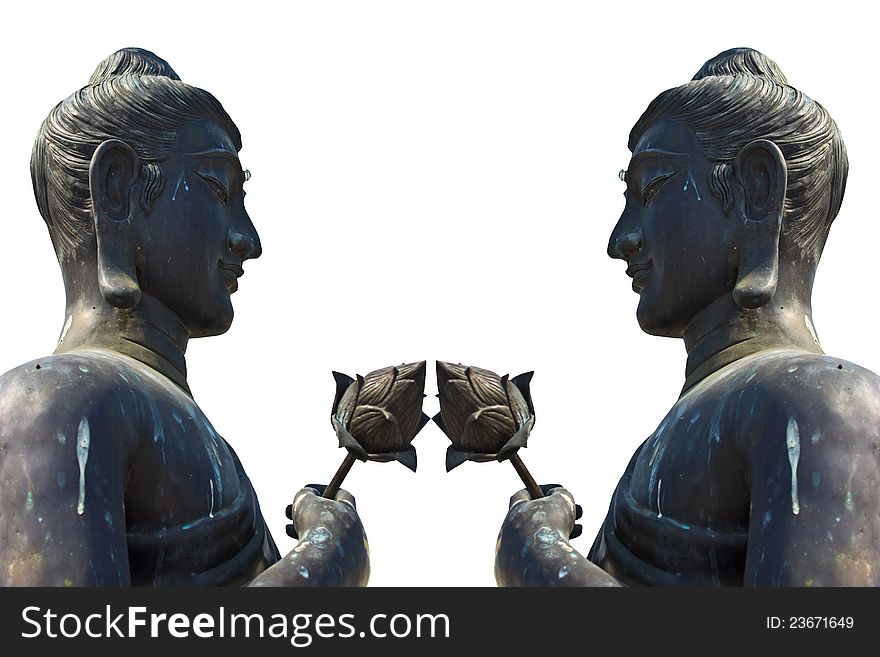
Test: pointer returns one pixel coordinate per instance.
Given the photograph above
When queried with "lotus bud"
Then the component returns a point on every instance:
(377, 416)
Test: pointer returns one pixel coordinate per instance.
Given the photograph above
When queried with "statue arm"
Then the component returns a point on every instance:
(814, 479)
(332, 548)
(533, 547)
(62, 483)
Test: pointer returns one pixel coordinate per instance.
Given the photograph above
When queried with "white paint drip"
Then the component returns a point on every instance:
(812, 330)
(211, 511)
(657, 453)
(690, 179)
(654, 463)
(177, 186)
(715, 427)
(158, 427)
(662, 427)
(793, 444)
(214, 458)
(66, 328)
(82, 456)
(659, 510)
(158, 436)
(714, 431)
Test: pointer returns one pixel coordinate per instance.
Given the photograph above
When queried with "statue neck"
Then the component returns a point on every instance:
(149, 333)
(723, 333)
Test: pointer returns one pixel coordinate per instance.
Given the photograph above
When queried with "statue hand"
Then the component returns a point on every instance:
(310, 511)
(558, 505)
(533, 548)
(332, 548)
(342, 496)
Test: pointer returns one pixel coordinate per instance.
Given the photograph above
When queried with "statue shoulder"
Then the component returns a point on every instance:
(804, 380)
(810, 469)
(57, 391)
(80, 370)
(821, 400)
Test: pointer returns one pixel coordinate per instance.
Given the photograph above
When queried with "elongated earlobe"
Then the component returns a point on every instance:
(113, 175)
(117, 278)
(763, 175)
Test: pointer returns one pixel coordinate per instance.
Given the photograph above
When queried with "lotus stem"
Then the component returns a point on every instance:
(336, 482)
(524, 474)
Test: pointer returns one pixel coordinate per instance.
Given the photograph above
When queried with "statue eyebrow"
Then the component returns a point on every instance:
(654, 154)
(648, 154)
(218, 152)
(228, 156)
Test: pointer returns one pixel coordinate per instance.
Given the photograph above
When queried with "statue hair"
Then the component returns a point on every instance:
(742, 95)
(133, 96)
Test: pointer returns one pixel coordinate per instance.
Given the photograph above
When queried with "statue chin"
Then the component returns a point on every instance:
(215, 325)
(653, 323)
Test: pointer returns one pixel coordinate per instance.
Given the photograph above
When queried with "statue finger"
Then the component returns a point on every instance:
(318, 488)
(344, 496)
(518, 498)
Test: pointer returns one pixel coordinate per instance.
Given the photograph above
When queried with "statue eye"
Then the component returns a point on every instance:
(654, 186)
(218, 188)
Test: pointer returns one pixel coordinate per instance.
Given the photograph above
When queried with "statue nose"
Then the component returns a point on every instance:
(626, 246)
(242, 245)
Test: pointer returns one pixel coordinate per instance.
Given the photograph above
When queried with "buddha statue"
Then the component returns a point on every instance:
(765, 471)
(111, 473)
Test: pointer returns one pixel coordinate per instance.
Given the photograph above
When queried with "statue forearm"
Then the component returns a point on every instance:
(533, 551)
(535, 563)
(325, 556)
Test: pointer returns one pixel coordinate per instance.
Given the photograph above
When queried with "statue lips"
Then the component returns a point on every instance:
(639, 273)
(231, 271)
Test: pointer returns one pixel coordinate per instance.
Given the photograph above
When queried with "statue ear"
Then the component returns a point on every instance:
(763, 175)
(114, 174)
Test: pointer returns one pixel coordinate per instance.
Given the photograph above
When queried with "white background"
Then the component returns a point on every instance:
(436, 180)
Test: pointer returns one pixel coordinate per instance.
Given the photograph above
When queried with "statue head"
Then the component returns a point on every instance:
(138, 179)
(734, 181)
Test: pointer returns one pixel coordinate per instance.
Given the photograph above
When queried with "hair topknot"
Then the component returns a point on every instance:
(739, 96)
(133, 96)
(132, 61)
(742, 61)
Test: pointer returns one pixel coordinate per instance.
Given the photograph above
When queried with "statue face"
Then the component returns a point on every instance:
(197, 233)
(674, 235)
